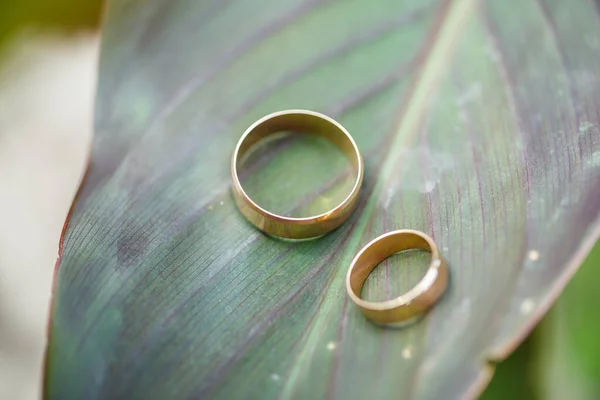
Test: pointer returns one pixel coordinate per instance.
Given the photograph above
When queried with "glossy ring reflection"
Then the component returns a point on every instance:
(309, 122)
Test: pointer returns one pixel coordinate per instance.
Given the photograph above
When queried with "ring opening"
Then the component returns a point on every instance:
(297, 165)
(396, 275)
(382, 249)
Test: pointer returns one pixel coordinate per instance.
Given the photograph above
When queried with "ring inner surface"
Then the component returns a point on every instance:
(306, 124)
(300, 122)
(379, 251)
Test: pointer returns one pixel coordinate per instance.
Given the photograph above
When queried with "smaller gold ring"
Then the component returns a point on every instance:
(300, 121)
(417, 300)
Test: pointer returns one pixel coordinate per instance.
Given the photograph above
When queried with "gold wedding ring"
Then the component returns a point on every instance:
(411, 304)
(305, 122)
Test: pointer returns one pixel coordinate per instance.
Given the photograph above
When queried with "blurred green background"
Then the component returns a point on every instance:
(68, 16)
(559, 360)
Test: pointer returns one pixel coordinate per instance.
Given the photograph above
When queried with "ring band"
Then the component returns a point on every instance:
(411, 304)
(301, 121)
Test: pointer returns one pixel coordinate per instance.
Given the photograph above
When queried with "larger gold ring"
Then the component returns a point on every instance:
(306, 122)
(411, 304)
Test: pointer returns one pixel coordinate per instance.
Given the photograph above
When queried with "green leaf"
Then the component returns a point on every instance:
(478, 123)
(568, 350)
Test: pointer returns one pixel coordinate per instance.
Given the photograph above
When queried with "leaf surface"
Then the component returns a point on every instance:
(478, 123)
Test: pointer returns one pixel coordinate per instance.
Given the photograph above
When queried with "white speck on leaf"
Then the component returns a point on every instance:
(585, 127)
(585, 81)
(407, 352)
(533, 255)
(275, 377)
(427, 186)
(595, 159)
(221, 203)
(472, 93)
(492, 53)
(465, 304)
(331, 346)
(527, 306)
(388, 198)
(422, 180)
